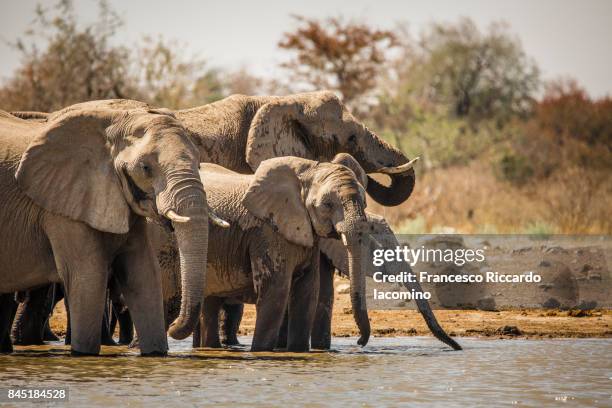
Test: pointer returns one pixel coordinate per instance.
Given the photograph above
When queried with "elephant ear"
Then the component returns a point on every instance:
(68, 170)
(294, 126)
(349, 161)
(275, 196)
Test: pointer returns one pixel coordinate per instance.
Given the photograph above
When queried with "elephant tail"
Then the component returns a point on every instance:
(434, 326)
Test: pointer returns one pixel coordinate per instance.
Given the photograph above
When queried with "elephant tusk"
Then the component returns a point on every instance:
(344, 241)
(174, 217)
(399, 169)
(376, 243)
(217, 220)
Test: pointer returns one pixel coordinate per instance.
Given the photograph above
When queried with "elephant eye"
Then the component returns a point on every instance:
(146, 169)
(352, 138)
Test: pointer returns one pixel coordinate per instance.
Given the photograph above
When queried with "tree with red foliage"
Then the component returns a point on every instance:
(333, 54)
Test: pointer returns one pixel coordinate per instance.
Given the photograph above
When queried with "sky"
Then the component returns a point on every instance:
(567, 38)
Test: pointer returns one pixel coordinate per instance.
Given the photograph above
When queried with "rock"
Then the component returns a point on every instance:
(578, 313)
(587, 305)
(509, 331)
(487, 304)
(551, 303)
(544, 264)
(343, 288)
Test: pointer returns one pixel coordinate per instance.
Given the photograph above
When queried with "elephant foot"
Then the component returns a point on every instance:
(75, 353)
(155, 354)
(231, 342)
(134, 343)
(301, 348)
(324, 344)
(6, 346)
(108, 342)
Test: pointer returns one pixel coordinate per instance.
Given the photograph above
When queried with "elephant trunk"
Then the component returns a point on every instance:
(184, 203)
(430, 319)
(423, 305)
(377, 156)
(192, 242)
(352, 239)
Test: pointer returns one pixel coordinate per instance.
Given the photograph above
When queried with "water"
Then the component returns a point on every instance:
(388, 372)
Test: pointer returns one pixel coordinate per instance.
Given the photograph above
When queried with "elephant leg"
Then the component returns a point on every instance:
(209, 322)
(120, 315)
(8, 306)
(68, 338)
(302, 306)
(32, 316)
(283, 332)
(57, 294)
(106, 335)
(231, 316)
(126, 325)
(83, 269)
(321, 329)
(137, 273)
(272, 297)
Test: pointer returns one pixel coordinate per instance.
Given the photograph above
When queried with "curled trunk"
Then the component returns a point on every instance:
(374, 154)
(396, 193)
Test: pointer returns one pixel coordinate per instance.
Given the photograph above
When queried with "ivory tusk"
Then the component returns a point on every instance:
(399, 169)
(375, 242)
(344, 241)
(217, 220)
(174, 217)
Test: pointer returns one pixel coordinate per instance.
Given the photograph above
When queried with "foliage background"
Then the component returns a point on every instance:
(501, 150)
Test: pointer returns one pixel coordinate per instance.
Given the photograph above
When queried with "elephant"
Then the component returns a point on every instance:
(239, 132)
(334, 257)
(8, 306)
(31, 322)
(269, 256)
(76, 191)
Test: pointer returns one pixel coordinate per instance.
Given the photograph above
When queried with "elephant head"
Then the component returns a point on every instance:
(303, 199)
(102, 167)
(382, 237)
(317, 126)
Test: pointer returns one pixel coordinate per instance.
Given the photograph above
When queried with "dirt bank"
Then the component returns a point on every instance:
(474, 323)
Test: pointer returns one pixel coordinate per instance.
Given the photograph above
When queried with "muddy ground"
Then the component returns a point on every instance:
(474, 323)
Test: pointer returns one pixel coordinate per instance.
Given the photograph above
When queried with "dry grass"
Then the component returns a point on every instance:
(471, 199)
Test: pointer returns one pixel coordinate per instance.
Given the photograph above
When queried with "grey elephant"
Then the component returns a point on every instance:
(334, 256)
(269, 256)
(75, 191)
(239, 132)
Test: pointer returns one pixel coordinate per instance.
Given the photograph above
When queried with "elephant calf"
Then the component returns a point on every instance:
(269, 256)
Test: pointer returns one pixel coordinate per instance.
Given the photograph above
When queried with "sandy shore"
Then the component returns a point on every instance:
(473, 323)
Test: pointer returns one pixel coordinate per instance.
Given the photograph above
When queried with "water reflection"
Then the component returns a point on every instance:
(392, 371)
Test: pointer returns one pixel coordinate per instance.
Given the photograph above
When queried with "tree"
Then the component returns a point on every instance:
(338, 55)
(169, 79)
(476, 75)
(78, 64)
